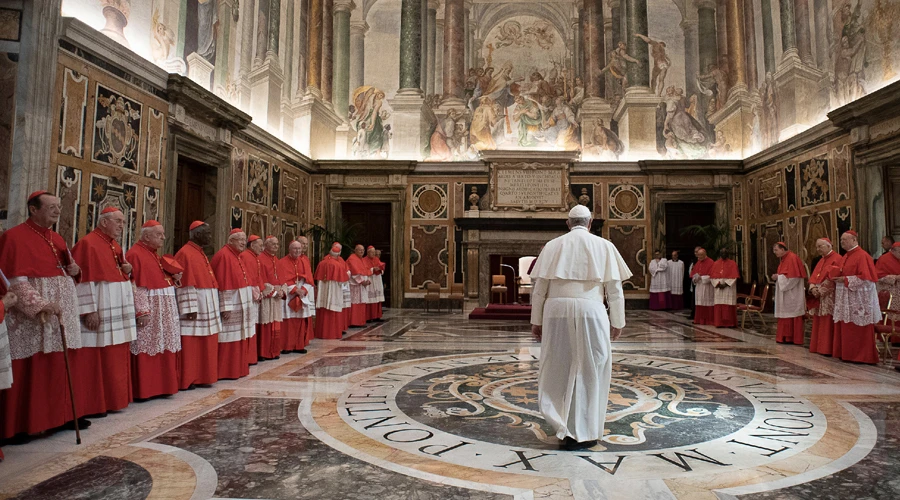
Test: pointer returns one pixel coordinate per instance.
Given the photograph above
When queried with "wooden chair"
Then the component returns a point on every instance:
(886, 330)
(748, 307)
(456, 293)
(498, 285)
(433, 294)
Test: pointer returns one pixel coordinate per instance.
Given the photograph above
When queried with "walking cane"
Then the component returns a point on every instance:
(62, 333)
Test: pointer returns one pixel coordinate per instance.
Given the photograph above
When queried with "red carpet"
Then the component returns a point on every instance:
(503, 311)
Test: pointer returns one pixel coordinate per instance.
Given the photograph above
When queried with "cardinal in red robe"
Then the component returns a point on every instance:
(40, 271)
(856, 308)
(238, 295)
(106, 305)
(376, 291)
(300, 303)
(8, 300)
(888, 269)
(790, 295)
(154, 358)
(271, 307)
(360, 280)
(704, 293)
(331, 274)
(821, 301)
(253, 264)
(724, 278)
(198, 306)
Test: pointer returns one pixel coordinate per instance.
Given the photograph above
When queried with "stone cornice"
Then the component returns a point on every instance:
(691, 167)
(880, 105)
(365, 167)
(804, 141)
(203, 104)
(275, 147)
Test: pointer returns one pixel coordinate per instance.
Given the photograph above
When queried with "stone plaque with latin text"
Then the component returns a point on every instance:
(529, 187)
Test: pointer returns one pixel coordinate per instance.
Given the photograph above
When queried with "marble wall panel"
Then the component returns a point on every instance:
(815, 226)
(256, 223)
(257, 181)
(238, 173)
(844, 219)
(237, 217)
(8, 74)
(772, 233)
(290, 194)
(840, 161)
(117, 129)
(318, 201)
(771, 194)
(632, 244)
(814, 181)
(626, 202)
(276, 188)
(152, 208)
(73, 113)
(68, 189)
(156, 143)
(10, 24)
(430, 201)
(429, 254)
(790, 187)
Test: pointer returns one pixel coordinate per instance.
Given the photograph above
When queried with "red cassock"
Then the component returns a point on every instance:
(358, 309)
(232, 276)
(2, 317)
(330, 274)
(854, 342)
(703, 315)
(296, 332)
(103, 358)
(39, 397)
(154, 372)
(198, 360)
(269, 335)
(725, 315)
(822, 337)
(887, 265)
(791, 330)
(375, 311)
(253, 265)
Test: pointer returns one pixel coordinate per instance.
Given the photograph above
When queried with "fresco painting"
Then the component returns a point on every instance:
(525, 75)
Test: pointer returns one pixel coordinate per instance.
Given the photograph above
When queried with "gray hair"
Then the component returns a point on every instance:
(579, 221)
(145, 231)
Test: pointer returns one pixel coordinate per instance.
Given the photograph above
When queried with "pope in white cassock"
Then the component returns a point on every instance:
(572, 276)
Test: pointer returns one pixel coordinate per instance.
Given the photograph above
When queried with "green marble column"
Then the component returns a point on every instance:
(768, 36)
(274, 26)
(708, 47)
(636, 22)
(788, 35)
(341, 84)
(410, 44)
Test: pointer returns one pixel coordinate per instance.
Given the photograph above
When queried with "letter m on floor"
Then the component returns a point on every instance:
(680, 460)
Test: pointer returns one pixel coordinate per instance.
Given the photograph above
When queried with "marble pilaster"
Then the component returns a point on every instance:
(799, 99)
(708, 51)
(474, 48)
(300, 35)
(408, 102)
(768, 31)
(636, 114)
(247, 10)
(735, 121)
(801, 29)
(821, 17)
(439, 57)
(722, 30)
(636, 22)
(431, 46)
(33, 134)
(341, 99)
(577, 51)
(327, 82)
(199, 69)
(315, 127)
(466, 35)
(358, 30)
(615, 9)
(423, 46)
(454, 51)
(594, 51)
(287, 87)
(265, 95)
(314, 49)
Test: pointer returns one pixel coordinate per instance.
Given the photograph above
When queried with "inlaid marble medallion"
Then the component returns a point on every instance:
(666, 417)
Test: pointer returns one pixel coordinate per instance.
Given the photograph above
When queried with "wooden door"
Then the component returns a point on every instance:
(194, 199)
(372, 223)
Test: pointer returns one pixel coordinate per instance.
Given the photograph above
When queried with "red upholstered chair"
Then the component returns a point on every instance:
(754, 305)
(886, 331)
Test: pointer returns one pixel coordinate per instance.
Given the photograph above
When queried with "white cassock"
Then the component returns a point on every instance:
(675, 273)
(659, 281)
(572, 275)
(309, 301)
(790, 297)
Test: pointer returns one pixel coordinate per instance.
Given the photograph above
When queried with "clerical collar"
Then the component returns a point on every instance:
(579, 227)
(852, 249)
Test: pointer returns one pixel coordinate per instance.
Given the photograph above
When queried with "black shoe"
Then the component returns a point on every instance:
(96, 415)
(301, 351)
(570, 444)
(83, 423)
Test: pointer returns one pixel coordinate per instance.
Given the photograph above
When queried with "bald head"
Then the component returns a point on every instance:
(849, 241)
(295, 249)
(359, 250)
(823, 247)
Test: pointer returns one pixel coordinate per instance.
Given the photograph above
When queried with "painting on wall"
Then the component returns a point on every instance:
(370, 123)
(257, 181)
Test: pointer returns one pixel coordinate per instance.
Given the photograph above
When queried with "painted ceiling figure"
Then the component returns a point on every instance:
(604, 142)
(661, 63)
(207, 25)
(618, 61)
(678, 134)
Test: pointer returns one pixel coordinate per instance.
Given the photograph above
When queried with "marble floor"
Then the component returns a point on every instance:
(433, 406)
